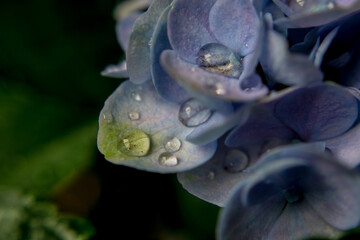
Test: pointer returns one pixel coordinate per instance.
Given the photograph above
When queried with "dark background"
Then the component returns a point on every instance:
(51, 92)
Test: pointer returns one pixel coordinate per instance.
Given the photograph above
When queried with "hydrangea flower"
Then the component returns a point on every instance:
(232, 93)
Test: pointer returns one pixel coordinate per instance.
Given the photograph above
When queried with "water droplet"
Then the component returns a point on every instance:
(246, 45)
(220, 90)
(192, 113)
(107, 117)
(300, 2)
(168, 159)
(150, 42)
(172, 145)
(217, 58)
(331, 5)
(235, 161)
(211, 175)
(134, 142)
(251, 83)
(136, 96)
(192, 69)
(134, 116)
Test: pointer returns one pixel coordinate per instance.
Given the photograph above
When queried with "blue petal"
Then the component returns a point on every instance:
(235, 24)
(188, 27)
(124, 27)
(138, 49)
(318, 113)
(316, 16)
(285, 67)
(135, 127)
(346, 147)
(167, 87)
(202, 82)
(211, 181)
(116, 71)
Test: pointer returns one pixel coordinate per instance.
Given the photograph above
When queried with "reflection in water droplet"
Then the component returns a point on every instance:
(251, 83)
(192, 113)
(235, 161)
(217, 58)
(134, 116)
(134, 142)
(136, 96)
(168, 159)
(107, 117)
(172, 145)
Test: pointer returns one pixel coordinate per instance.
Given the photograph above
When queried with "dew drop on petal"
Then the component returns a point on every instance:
(251, 83)
(292, 195)
(172, 144)
(107, 117)
(217, 58)
(134, 142)
(136, 96)
(168, 159)
(134, 116)
(211, 175)
(235, 161)
(192, 113)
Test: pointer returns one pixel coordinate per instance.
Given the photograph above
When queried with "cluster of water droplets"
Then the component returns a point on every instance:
(171, 146)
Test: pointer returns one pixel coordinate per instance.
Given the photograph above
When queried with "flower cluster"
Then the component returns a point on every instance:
(254, 103)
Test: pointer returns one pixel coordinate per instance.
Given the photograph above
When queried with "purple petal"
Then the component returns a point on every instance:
(188, 27)
(318, 113)
(346, 147)
(116, 71)
(199, 81)
(285, 67)
(224, 19)
(166, 86)
(138, 49)
(124, 27)
(137, 127)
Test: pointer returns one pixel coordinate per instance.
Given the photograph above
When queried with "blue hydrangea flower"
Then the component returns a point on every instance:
(223, 91)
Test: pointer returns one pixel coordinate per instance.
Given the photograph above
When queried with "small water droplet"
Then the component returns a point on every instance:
(172, 145)
(211, 175)
(235, 161)
(292, 194)
(134, 116)
(251, 83)
(134, 142)
(168, 159)
(300, 2)
(220, 90)
(136, 96)
(246, 45)
(331, 5)
(192, 69)
(192, 113)
(217, 58)
(150, 42)
(107, 117)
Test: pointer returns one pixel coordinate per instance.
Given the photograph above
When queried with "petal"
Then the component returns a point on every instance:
(299, 221)
(224, 20)
(211, 181)
(318, 113)
(238, 221)
(140, 129)
(202, 82)
(116, 71)
(188, 27)
(322, 15)
(285, 67)
(125, 8)
(123, 28)
(261, 131)
(166, 86)
(346, 147)
(138, 49)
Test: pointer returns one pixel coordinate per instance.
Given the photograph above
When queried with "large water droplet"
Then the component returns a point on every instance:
(172, 144)
(235, 161)
(217, 58)
(168, 159)
(192, 113)
(134, 116)
(136, 96)
(107, 117)
(134, 142)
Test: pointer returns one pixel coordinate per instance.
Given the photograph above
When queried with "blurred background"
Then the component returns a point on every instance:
(54, 184)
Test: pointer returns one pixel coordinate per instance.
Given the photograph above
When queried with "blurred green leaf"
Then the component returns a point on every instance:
(23, 218)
